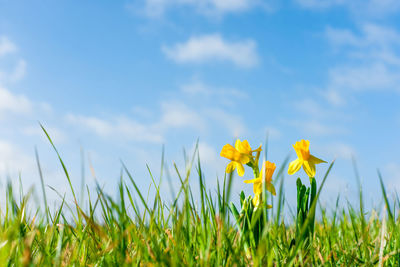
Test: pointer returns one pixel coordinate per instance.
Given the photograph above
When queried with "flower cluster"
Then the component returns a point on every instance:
(242, 154)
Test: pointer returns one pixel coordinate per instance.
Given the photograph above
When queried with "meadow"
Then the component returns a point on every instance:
(135, 229)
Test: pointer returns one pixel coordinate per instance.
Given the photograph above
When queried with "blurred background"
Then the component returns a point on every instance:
(118, 80)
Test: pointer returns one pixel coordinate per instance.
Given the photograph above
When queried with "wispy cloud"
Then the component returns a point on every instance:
(210, 158)
(319, 4)
(371, 61)
(55, 133)
(338, 150)
(212, 47)
(19, 71)
(116, 128)
(6, 46)
(177, 114)
(315, 117)
(227, 96)
(232, 122)
(359, 8)
(10, 102)
(187, 114)
(12, 71)
(377, 76)
(15, 70)
(173, 115)
(157, 8)
(314, 127)
(13, 159)
(372, 42)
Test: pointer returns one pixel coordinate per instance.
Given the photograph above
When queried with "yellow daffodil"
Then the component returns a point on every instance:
(267, 171)
(239, 155)
(304, 158)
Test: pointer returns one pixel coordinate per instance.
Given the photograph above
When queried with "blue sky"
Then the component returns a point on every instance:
(123, 78)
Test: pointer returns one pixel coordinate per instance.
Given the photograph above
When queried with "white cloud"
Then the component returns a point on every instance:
(311, 107)
(6, 46)
(273, 132)
(316, 118)
(371, 61)
(232, 122)
(142, 112)
(317, 128)
(10, 102)
(99, 126)
(10, 73)
(19, 71)
(338, 150)
(341, 37)
(13, 73)
(55, 133)
(210, 158)
(334, 97)
(173, 115)
(198, 88)
(176, 114)
(13, 159)
(369, 77)
(205, 48)
(116, 128)
(319, 4)
(373, 40)
(157, 8)
(231, 5)
(359, 8)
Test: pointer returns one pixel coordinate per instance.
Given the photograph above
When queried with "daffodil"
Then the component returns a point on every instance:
(304, 158)
(239, 155)
(267, 171)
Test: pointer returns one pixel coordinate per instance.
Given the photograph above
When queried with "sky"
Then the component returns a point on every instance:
(116, 81)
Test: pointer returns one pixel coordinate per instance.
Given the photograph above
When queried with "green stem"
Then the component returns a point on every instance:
(313, 184)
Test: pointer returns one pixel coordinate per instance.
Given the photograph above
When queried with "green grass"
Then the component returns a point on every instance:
(134, 231)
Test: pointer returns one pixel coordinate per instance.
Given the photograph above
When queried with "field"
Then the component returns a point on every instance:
(131, 230)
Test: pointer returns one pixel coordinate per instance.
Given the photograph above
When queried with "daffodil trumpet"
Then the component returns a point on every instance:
(267, 171)
(304, 159)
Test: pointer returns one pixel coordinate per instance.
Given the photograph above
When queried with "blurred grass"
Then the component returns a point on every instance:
(131, 230)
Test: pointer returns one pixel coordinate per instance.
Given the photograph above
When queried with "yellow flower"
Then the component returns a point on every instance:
(239, 155)
(267, 170)
(304, 158)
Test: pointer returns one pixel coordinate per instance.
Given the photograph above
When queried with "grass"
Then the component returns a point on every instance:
(130, 230)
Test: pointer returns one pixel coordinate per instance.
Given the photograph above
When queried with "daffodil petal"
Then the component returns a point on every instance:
(245, 147)
(238, 144)
(309, 168)
(257, 188)
(294, 166)
(270, 187)
(256, 200)
(230, 167)
(252, 181)
(228, 151)
(240, 168)
(244, 158)
(316, 160)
